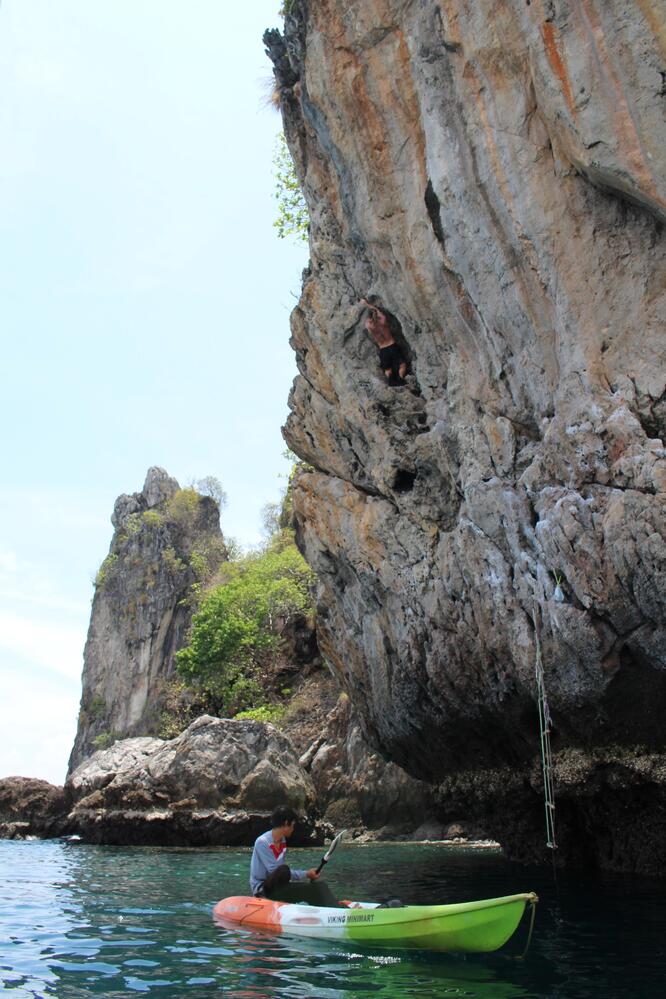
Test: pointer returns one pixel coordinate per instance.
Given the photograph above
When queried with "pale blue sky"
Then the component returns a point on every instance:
(145, 304)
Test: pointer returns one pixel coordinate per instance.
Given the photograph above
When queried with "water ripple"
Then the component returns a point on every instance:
(90, 921)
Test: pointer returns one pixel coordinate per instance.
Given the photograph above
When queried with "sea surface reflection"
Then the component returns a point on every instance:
(85, 921)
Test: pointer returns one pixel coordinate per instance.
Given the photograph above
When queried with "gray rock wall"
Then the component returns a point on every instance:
(142, 609)
(357, 789)
(494, 173)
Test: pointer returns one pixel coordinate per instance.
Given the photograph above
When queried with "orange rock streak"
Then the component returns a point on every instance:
(550, 37)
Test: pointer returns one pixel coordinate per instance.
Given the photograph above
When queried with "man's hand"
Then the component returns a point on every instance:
(312, 874)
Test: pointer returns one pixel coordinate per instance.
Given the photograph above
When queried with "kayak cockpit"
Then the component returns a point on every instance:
(313, 892)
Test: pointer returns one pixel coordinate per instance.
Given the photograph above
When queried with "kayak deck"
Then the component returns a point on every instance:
(470, 927)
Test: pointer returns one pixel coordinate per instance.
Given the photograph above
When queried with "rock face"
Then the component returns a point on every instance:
(217, 783)
(214, 784)
(166, 539)
(495, 174)
(357, 789)
(30, 807)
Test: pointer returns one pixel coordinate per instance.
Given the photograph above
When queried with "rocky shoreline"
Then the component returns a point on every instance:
(218, 781)
(214, 785)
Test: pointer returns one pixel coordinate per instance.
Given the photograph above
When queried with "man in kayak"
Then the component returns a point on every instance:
(391, 357)
(268, 871)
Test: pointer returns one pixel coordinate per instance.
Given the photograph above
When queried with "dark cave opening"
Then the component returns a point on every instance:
(403, 480)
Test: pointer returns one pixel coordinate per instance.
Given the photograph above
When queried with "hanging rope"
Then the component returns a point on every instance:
(545, 726)
(533, 904)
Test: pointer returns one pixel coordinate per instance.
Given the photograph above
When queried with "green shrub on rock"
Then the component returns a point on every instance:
(105, 739)
(293, 218)
(183, 506)
(104, 570)
(239, 622)
(172, 562)
(97, 708)
(152, 518)
(264, 713)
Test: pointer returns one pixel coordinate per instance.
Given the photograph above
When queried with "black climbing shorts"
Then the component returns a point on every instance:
(391, 358)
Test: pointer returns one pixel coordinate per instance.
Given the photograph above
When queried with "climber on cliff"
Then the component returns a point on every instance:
(391, 357)
(268, 871)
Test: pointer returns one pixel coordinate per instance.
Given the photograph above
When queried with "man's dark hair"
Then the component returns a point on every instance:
(283, 816)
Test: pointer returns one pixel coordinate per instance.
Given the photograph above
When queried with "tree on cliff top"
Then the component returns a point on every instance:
(292, 218)
(211, 486)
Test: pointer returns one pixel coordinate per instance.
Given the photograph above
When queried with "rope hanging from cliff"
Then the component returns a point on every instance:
(545, 726)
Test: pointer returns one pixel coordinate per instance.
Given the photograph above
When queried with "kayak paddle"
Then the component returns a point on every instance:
(327, 856)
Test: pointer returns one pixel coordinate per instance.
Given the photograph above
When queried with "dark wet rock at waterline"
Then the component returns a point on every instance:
(30, 807)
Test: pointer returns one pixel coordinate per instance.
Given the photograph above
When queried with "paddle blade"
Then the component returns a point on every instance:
(334, 844)
(331, 849)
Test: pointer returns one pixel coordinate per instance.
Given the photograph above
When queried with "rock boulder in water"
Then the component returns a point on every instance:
(30, 807)
(216, 783)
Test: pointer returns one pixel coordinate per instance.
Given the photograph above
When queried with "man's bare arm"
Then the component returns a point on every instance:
(373, 308)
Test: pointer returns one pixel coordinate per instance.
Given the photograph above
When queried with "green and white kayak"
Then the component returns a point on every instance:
(469, 927)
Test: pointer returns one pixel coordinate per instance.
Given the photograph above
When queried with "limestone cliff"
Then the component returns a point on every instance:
(165, 539)
(496, 174)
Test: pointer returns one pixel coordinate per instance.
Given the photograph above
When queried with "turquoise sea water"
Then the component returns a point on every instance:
(80, 921)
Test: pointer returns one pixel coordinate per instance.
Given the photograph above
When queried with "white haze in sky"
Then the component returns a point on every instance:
(145, 308)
